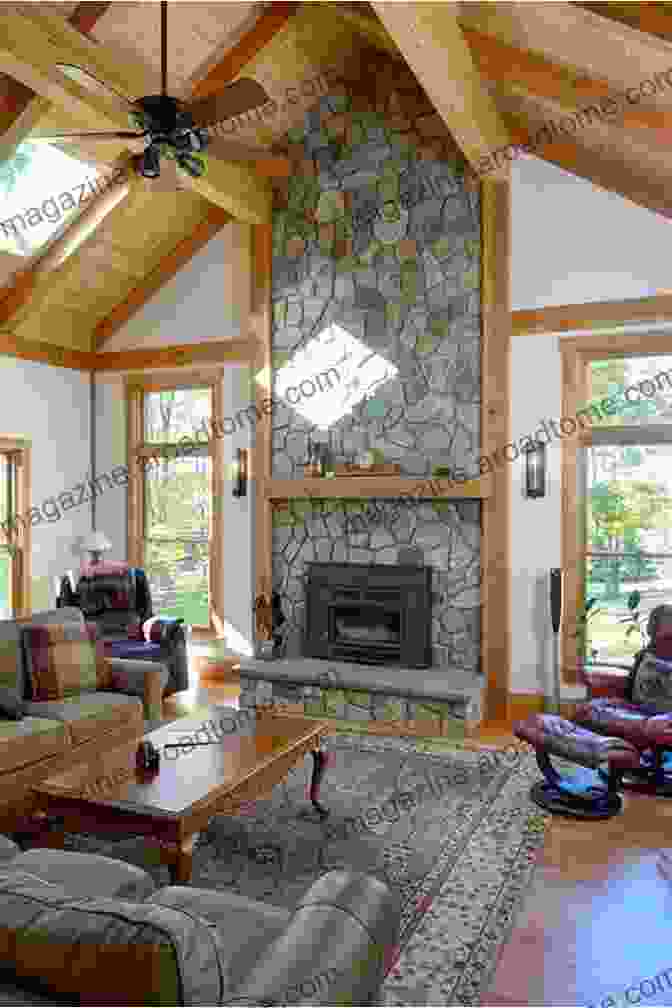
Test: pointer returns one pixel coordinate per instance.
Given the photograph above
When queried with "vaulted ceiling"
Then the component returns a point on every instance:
(496, 73)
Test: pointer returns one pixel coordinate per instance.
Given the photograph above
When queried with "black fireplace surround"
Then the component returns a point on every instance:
(370, 613)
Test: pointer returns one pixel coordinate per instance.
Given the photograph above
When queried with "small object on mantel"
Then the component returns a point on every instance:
(147, 756)
(263, 611)
(374, 469)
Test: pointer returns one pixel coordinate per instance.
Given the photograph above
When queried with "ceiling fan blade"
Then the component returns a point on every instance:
(87, 80)
(92, 135)
(231, 150)
(276, 165)
(239, 97)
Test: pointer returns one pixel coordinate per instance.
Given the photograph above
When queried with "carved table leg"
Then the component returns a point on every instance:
(181, 862)
(319, 766)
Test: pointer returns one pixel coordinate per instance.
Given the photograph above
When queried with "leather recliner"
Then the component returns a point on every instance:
(638, 707)
(118, 599)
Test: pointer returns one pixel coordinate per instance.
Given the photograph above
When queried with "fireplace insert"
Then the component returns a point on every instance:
(370, 613)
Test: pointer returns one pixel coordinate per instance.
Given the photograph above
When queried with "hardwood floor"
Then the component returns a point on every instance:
(597, 922)
(596, 925)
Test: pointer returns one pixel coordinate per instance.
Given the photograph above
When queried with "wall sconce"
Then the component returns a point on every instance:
(535, 469)
(240, 482)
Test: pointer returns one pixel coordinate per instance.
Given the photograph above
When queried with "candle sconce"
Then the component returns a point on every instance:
(535, 470)
(240, 482)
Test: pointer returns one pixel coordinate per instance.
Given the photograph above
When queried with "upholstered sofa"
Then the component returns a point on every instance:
(85, 929)
(40, 737)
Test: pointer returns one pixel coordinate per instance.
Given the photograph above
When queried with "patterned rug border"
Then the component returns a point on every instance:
(473, 980)
(433, 881)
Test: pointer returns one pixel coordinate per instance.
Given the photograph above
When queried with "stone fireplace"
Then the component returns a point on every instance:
(376, 258)
(374, 614)
(445, 534)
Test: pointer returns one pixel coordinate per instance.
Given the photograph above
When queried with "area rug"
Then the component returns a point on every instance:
(453, 832)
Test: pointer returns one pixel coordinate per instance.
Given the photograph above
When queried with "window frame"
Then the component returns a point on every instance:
(137, 387)
(18, 452)
(577, 353)
(634, 434)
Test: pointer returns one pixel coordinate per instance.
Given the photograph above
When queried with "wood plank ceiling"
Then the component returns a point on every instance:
(517, 67)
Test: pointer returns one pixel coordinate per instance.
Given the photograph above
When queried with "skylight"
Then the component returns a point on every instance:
(331, 375)
(40, 189)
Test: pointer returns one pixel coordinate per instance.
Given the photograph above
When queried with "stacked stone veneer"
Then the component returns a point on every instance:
(377, 232)
(441, 530)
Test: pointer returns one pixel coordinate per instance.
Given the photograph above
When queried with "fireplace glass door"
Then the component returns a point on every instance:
(370, 627)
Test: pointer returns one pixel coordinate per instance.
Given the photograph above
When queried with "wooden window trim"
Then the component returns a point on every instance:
(136, 388)
(19, 450)
(576, 354)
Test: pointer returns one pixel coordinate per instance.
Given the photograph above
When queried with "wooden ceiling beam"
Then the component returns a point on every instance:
(246, 49)
(29, 50)
(432, 43)
(649, 18)
(169, 266)
(524, 72)
(234, 188)
(45, 353)
(210, 352)
(596, 169)
(596, 315)
(20, 108)
(17, 297)
(369, 27)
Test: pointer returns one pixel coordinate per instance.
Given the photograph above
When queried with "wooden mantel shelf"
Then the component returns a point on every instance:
(422, 488)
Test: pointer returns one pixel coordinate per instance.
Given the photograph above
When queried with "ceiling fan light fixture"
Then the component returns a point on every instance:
(170, 128)
(149, 163)
(191, 164)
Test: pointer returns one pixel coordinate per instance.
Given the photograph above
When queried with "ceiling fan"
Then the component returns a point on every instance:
(171, 129)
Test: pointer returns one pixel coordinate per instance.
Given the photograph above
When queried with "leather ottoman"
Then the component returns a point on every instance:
(587, 793)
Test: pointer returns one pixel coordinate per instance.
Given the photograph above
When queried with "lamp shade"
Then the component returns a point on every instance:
(95, 542)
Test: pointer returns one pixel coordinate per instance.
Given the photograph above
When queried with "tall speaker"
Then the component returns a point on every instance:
(556, 598)
(553, 694)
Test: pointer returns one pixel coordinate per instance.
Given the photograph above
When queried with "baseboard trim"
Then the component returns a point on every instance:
(521, 705)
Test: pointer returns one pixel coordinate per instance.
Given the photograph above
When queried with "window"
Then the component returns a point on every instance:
(174, 529)
(15, 541)
(42, 190)
(627, 474)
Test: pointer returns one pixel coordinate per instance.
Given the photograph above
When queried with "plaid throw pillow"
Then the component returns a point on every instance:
(65, 659)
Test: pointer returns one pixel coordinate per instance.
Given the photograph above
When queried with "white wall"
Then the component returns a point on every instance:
(573, 243)
(50, 407)
(535, 524)
(208, 300)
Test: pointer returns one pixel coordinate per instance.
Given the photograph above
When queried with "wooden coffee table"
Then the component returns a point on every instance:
(109, 795)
